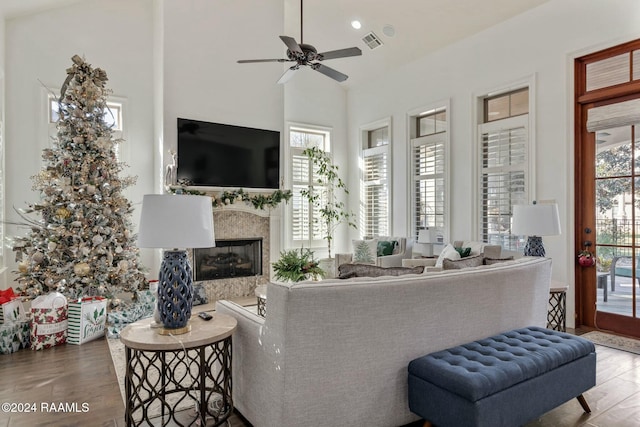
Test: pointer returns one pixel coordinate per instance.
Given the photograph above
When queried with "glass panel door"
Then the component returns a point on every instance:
(617, 213)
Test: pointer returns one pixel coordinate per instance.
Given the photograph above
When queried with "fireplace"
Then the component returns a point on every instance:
(228, 259)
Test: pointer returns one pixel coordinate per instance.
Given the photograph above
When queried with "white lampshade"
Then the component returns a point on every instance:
(536, 220)
(426, 236)
(176, 221)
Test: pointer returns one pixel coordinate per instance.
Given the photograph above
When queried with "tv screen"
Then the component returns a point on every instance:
(220, 155)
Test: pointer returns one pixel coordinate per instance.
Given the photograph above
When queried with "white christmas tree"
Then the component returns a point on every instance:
(83, 241)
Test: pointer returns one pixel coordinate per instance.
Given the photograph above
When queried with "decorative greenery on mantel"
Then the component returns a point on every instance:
(258, 201)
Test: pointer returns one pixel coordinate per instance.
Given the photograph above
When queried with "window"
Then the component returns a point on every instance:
(304, 229)
(504, 165)
(375, 182)
(113, 117)
(429, 160)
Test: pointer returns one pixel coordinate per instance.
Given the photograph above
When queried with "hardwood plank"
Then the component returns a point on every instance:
(86, 374)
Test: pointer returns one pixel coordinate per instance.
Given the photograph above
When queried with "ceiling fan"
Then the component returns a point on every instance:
(307, 55)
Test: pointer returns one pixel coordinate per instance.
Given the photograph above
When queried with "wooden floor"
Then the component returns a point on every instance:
(77, 375)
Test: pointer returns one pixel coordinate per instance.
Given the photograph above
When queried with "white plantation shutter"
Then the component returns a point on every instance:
(429, 161)
(504, 176)
(306, 229)
(376, 191)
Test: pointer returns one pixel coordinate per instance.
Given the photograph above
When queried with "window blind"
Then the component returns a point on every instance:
(375, 221)
(614, 115)
(429, 181)
(305, 225)
(504, 157)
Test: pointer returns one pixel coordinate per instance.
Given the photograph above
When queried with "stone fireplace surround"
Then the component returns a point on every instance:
(237, 221)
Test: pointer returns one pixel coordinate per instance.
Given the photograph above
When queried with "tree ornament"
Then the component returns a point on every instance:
(63, 213)
(81, 269)
(37, 257)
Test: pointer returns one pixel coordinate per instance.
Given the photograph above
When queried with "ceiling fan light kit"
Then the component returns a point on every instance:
(307, 55)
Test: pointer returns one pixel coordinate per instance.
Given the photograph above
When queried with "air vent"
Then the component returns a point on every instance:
(372, 41)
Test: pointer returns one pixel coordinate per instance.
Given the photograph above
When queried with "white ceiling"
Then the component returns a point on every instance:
(421, 26)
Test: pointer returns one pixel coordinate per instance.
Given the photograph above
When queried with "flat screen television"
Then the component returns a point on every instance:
(221, 155)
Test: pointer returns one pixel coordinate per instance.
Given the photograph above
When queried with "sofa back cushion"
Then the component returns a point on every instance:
(470, 261)
(347, 271)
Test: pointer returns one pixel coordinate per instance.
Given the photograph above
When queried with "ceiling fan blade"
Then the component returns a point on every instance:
(330, 72)
(288, 74)
(340, 53)
(246, 61)
(291, 43)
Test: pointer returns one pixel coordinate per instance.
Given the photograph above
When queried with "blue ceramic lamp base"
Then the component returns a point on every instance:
(175, 292)
(534, 247)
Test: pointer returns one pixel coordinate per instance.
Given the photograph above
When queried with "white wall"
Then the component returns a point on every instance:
(115, 36)
(314, 99)
(539, 44)
(202, 41)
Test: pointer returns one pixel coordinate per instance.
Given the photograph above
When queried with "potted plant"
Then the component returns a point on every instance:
(296, 265)
(324, 194)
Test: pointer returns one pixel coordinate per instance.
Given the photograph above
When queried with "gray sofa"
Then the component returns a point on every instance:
(404, 250)
(335, 352)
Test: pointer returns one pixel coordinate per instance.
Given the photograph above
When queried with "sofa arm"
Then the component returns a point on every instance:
(390, 260)
(254, 379)
(343, 259)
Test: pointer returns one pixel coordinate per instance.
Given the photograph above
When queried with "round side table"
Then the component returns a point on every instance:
(261, 296)
(557, 314)
(167, 376)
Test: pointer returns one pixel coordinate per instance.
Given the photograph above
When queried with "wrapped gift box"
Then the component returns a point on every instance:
(14, 336)
(144, 306)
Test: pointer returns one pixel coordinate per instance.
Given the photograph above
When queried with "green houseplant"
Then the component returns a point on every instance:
(324, 195)
(296, 265)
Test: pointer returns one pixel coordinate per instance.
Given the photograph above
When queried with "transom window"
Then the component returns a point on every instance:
(113, 115)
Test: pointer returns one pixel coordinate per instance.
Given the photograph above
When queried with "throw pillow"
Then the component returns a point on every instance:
(364, 251)
(470, 261)
(386, 247)
(347, 271)
(464, 252)
(491, 261)
(449, 252)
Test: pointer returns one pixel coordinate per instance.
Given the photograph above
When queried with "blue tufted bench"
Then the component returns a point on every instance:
(505, 380)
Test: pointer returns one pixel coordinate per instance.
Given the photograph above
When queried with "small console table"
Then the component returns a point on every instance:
(166, 374)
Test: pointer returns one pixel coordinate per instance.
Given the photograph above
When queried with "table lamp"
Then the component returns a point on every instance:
(535, 221)
(175, 222)
(426, 238)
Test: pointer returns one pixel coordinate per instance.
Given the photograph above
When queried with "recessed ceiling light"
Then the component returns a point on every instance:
(356, 24)
(389, 31)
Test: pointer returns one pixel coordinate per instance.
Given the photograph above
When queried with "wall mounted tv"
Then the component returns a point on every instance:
(220, 155)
